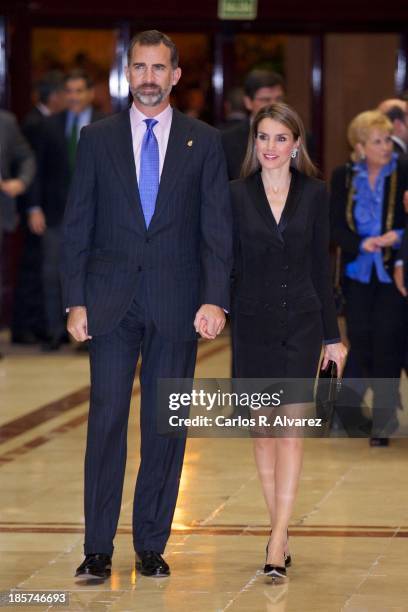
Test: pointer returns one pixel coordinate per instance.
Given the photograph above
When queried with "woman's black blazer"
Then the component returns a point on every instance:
(342, 234)
(285, 268)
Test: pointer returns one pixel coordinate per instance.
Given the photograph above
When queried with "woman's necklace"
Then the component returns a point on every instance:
(275, 189)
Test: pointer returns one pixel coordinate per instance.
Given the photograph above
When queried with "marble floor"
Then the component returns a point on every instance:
(348, 533)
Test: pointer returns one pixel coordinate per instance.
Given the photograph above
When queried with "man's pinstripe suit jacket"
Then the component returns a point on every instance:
(185, 254)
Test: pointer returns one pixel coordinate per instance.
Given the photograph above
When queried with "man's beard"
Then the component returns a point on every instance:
(151, 99)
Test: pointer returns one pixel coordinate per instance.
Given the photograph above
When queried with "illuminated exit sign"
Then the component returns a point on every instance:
(237, 9)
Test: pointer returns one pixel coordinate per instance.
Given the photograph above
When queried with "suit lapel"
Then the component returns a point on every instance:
(174, 162)
(121, 153)
(260, 201)
(294, 194)
(120, 150)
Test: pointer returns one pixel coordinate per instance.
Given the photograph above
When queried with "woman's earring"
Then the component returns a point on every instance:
(294, 153)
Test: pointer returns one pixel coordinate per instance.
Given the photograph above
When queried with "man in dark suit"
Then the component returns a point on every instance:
(398, 116)
(397, 112)
(48, 196)
(49, 97)
(28, 320)
(401, 263)
(147, 239)
(261, 87)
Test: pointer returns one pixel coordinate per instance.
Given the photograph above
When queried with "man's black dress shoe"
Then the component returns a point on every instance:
(151, 563)
(94, 567)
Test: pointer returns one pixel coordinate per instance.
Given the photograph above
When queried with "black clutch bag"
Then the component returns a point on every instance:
(328, 388)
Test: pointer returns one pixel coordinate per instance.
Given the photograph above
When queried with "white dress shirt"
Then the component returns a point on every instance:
(400, 142)
(161, 131)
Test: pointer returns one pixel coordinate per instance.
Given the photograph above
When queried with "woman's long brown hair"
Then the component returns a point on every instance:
(285, 114)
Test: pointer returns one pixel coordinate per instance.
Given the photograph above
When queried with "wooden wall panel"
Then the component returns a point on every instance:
(297, 59)
(359, 73)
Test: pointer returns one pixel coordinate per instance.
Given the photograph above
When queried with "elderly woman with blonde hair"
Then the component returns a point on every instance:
(368, 220)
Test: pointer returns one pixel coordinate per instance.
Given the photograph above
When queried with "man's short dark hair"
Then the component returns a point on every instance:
(152, 38)
(78, 73)
(256, 79)
(396, 113)
(48, 84)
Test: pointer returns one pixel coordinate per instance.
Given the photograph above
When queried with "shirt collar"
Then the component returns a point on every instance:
(400, 142)
(85, 114)
(44, 110)
(137, 116)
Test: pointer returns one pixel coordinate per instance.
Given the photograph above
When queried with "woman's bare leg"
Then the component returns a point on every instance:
(265, 458)
(288, 466)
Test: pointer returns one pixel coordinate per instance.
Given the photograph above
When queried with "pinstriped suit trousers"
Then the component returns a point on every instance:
(113, 358)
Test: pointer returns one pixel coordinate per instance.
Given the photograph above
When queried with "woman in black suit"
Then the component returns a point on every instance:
(283, 308)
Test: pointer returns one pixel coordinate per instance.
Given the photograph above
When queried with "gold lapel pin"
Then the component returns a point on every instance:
(190, 143)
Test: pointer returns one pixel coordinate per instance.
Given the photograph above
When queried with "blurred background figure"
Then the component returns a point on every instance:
(17, 168)
(234, 108)
(261, 87)
(396, 110)
(385, 105)
(56, 159)
(368, 220)
(48, 99)
(28, 318)
(196, 104)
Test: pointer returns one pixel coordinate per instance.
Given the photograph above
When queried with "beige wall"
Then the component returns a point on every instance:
(359, 73)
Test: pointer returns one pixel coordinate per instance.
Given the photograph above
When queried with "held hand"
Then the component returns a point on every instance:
(335, 352)
(77, 323)
(209, 321)
(370, 245)
(399, 280)
(388, 239)
(12, 187)
(36, 222)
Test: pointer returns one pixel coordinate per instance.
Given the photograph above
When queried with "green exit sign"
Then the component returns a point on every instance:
(237, 9)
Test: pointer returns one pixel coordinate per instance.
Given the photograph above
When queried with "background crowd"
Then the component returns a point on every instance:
(368, 210)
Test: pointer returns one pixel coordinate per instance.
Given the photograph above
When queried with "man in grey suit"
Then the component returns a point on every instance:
(17, 169)
(147, 255)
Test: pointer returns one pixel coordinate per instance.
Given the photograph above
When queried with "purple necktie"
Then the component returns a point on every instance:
(149, 171)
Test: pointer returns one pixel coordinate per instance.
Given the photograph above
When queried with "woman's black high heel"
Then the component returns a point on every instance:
(276, 572)
(288, 557)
